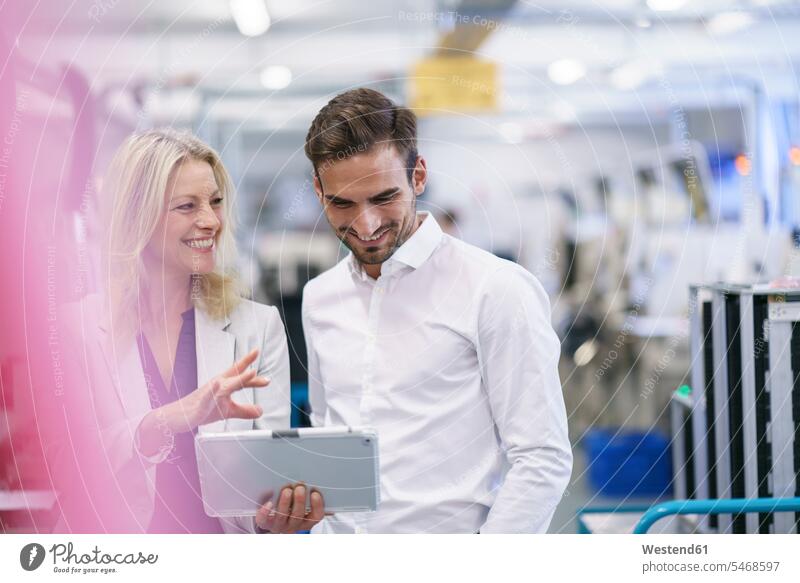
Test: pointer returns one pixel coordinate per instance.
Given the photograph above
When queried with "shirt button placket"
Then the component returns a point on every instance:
(367, 379)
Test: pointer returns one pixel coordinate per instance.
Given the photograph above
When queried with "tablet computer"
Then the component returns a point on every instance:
(241, 471)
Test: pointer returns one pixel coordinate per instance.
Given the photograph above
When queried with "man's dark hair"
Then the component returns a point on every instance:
(355, 121)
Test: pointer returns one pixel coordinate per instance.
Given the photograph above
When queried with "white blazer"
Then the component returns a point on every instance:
(120, 397)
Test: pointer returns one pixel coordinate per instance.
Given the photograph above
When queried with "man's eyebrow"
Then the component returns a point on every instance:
(389, 191)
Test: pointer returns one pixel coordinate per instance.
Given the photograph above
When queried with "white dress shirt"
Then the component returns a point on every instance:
(451, 357)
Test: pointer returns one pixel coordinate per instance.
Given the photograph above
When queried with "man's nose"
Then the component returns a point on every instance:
(367, 222)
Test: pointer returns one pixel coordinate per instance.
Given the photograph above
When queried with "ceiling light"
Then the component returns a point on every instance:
(665, 5)
(566, 71)
(251, 16)
(633, 74)
(728, 22)
(276, 77)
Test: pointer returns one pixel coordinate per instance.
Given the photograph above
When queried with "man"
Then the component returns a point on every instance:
(444, 348)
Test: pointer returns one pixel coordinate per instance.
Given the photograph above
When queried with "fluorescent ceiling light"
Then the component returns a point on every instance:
(728, 22)
(251, 16)
(665, 5)
(633, 74)
(566, 71)
(276, 77)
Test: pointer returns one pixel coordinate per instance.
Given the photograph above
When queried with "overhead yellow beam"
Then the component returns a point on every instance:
(475, 20)
(441, 85)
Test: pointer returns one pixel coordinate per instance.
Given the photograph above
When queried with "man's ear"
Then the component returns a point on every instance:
(318, 186)
(420, 176)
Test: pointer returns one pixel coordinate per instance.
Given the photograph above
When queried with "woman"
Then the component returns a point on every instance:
(177, 339)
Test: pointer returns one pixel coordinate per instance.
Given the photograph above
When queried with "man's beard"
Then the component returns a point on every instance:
(379, 255)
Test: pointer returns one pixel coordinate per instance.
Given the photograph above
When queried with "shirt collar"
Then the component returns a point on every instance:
(413, 253)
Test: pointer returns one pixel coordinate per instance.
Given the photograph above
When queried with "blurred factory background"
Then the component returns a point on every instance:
(620, 150)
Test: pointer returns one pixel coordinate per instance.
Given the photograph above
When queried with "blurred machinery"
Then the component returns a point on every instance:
(660, 234)
(287, 260)
(736, 427)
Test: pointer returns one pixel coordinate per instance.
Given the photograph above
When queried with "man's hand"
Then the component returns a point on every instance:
(290, 513)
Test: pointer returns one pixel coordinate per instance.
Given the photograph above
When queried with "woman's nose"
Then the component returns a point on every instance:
(207, 218)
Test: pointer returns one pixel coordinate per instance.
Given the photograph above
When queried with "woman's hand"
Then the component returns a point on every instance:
(214, 400)
(211, 402)
(289, 514)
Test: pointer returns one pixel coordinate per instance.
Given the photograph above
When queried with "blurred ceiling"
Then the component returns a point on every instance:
(185, 58)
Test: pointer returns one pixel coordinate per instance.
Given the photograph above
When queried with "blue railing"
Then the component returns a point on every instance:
(655, 512)
(727, 506)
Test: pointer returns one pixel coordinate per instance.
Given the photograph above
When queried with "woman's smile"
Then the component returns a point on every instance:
(205, 245)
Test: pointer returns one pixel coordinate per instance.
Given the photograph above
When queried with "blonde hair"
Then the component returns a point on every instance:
(135, 188)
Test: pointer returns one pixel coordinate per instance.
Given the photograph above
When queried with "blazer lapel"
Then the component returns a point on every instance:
(126, 374)
(215, 348)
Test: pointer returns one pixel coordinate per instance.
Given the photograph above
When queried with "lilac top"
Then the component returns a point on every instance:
(178, 502)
